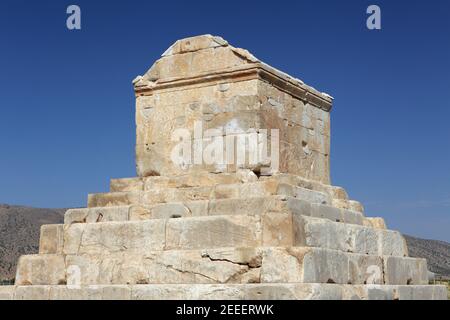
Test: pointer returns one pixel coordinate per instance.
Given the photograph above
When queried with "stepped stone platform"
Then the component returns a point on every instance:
(215, 231)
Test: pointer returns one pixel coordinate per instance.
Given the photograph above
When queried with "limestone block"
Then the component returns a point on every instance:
(188, 292)
(355, 206)
(191, 63)
(392, 243)
(124, 185)
(439, 293)
(367, 269)
(316, 265)
(323, 211)
(73, 234)
(311, 138)
(114, 236)
(353, 292)
(325, 292)
(300, 161)
(283, 264)
(256, 205)
(162, 211)
(114, 199)
(51, 239)
(36, 292)
(326, 266)
(198, 208)
(377, 222)
(365, 240)
(121, 292)
(92, 269)
(421, 292)
(406, 292)
(7, 292)
(245, 175)
(75, 293)
(236, 115)
(225, 192)
(303, 194)
(256, 189)
(76, 216)
(299, 181)
(323, 233)
(165, 267)
(331, 213)
(97, 214)
(377, 292)
(353, 217)
(106, 214)
(278, 229)
(280, 291)
(338, 193)
(348, 205)
(195, 179)
(215, 292)
(175, 195)
(212, 232)
(403, 270)
(195, 44)
(161, 292)
(41, 269)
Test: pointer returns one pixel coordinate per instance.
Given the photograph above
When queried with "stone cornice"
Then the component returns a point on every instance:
(257, 70)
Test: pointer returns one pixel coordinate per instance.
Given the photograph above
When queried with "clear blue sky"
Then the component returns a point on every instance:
(67, 104)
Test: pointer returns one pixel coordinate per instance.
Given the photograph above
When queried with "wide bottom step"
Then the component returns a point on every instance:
(273, 291)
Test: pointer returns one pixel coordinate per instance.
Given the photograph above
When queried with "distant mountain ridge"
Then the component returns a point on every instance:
(19, 234)
(436, 252)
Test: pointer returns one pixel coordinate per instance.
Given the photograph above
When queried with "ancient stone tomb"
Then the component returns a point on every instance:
(265, 227)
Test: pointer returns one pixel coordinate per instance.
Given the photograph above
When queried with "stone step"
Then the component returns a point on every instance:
(220, 191)
(272, 229)
(211, 179)
(221, 265)
(348, 205)
(253, 205)
(338, 195)
(259, 291)
(324, 233)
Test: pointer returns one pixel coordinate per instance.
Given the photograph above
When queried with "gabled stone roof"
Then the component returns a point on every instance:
(206, 57)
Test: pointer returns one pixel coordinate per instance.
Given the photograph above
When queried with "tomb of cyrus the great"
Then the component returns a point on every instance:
(269, 227)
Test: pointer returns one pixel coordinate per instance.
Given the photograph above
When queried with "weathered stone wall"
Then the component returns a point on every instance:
(207, 81)
(304, 132)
